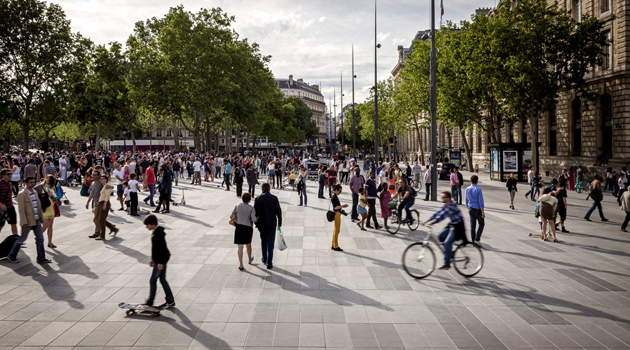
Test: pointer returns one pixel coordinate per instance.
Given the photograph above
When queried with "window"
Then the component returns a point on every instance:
(605, 5)
(577, 11)
(523, 131)
(158, 133)
(553, 134)
(576, 108)
(169, 133)
(607, 51)
(148, 134)
(607, 126)
(511, 132)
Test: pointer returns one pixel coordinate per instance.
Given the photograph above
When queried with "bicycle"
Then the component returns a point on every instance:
(394, 220)
(419, 260)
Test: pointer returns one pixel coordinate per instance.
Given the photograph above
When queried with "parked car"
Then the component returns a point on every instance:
(445, 170)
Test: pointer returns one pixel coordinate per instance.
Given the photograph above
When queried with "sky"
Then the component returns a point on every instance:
(310, 39)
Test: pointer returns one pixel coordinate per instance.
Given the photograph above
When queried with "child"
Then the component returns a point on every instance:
(159, 257)
(126, 196)
(361, 208)
(292, 180)
(133, 194)
(384, 197)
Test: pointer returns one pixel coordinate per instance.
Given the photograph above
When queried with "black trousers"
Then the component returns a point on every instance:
(252, 188)
(626, 221)
(428, 190)
(239, 189)
(320, 193)
(133, 196)
(372, 212)
(163, 200)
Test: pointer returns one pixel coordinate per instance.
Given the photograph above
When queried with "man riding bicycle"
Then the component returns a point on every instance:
(407, 195)
(455, 230)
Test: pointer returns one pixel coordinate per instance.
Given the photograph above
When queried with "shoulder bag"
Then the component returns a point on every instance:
(233, 218)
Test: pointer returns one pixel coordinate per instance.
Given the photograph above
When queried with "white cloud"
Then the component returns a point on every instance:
(309, 39)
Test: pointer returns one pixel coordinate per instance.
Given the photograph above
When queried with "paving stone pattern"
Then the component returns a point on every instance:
(531, 294)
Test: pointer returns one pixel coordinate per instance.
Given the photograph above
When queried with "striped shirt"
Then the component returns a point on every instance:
(450, 211)
(34, 201)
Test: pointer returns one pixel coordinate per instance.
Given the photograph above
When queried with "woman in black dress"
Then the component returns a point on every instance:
(245, 219)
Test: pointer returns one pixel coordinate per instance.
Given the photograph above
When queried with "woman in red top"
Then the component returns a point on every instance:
(149, 181)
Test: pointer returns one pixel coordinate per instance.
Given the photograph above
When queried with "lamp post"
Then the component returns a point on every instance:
(433, 108)
(343, 148)
(54, 137)
(376, 47)
(354, 142)
(124, 132)
(335, 113)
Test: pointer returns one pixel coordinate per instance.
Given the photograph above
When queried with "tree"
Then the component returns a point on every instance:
(36, 57)
(550, 53)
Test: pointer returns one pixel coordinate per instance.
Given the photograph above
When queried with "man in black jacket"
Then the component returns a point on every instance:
(159, 257)
(269, 216)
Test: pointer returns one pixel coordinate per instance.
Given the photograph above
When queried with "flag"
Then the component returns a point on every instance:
(442, 8)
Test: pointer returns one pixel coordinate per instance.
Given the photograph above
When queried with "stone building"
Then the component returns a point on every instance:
(312, 96)
(579, 130)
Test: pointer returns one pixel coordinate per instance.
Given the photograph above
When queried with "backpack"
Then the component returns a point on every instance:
(7, 245)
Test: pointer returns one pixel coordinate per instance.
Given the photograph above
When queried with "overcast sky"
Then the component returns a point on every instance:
(311, 39)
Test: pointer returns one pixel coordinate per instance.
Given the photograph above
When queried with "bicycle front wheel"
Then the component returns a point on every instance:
(419, 260)
(393, 222)
(415, 217)
(468, 259)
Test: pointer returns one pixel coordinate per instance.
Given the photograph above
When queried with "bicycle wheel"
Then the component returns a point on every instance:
(468, 259)
(419, 260)
(415, 217)
(393, 222)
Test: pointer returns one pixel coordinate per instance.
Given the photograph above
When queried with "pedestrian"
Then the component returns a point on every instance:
(547, 210)
(239, 176)
(7, 210)
(384, 197)
(460, 180)
(609, 181)
(427, 182)
(149, 182)
(597, 196)
(48, 189)
(571, 179)
(372, 194)
(165, 187)
(268, 217)
(252, 180)
(177, 167)
(29, 208)
(361, 208)
(15, 178)
(321, 177)
(530, 182)
(561, 210)
(511, 187)
(197, 172)
(160, 255)
(245, 220)
(356, 182)
(94, 197)
(621, 184)
(454, 181)
(301, 185)
(417, 174)
(271, 170)
(227, 174)
(101, 210)
(625, 206)
(476, 209)
(119, 175)
(134, 188)
(337, 207)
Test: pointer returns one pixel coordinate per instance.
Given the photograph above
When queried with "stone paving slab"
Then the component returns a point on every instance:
(530, 295)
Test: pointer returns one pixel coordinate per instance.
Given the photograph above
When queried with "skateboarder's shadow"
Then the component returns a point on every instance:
(184, 325)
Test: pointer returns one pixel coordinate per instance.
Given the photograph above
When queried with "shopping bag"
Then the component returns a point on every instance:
(282, 245)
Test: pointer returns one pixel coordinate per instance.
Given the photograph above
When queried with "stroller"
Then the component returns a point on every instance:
(73, 178)
(61, 194)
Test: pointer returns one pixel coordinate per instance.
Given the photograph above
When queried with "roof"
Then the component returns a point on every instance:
(284, 84)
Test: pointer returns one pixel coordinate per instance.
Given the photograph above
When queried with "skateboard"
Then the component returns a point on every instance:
(133, 309)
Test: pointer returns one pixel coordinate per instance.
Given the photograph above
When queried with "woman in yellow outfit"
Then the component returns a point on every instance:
(48, 188)
(336, 205)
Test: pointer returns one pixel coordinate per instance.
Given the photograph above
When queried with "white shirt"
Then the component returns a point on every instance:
(132, 168)
(530, 176)
(383, 176)
(197, 166)
(126, 194)
(133, 186)
(119, 174)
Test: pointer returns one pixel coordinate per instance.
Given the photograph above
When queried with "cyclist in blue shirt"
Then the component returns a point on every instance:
(455, 229)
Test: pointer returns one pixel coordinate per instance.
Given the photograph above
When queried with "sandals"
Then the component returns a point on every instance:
(251, 260)
(50, 245)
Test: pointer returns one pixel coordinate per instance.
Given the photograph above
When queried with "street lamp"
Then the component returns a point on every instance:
(124, 132)
(54, 137)
(376, 47)
(354, 142)
(433, 108)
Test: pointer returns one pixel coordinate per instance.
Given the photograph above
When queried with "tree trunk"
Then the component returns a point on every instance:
(533, 126)
(449, 138)
(253, 148)
(176, 145)
(97, 140)
(133, 139)
(419, 141)
(462, 132)
(208, 135)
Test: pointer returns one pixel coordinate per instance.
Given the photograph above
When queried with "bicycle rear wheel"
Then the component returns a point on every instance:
(419, 260)
(393, 222)
(415, 216)
(468, 259)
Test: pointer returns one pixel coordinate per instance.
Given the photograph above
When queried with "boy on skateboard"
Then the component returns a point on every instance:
(159, 257)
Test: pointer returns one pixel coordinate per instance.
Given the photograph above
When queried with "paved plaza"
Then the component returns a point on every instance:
(530, 294)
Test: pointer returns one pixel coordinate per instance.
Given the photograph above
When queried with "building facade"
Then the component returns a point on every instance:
(312, 96)
(579, 131)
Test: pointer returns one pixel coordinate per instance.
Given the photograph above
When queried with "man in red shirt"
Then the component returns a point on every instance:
(7, 210)
(149, 181)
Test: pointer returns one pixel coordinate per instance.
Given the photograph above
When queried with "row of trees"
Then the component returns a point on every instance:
(185, 69)
(492, 71)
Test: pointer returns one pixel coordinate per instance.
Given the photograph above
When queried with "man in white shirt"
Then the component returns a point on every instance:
(132, 166)
(133, 194)
(417, 174)
(197, 171)
(119, 175)
(530, 181)
(382, 176)
(427, 182)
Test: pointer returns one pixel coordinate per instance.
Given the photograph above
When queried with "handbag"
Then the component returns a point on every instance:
(57, 210)
(330, 215)
(233, 218)
(44, 199)
(282, 244)
(596, 195)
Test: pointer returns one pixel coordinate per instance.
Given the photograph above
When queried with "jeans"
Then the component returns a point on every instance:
(530, 193)
(475, 216)
(272, 175)
(454, 192)
(252, 188)
(447, 237)
(512, 194)
(151, 194)
(161, 275)
(355, 201)
(303, 195)
(267, 241)
(372, 212)
(459, 195)
(175, 175)
(320, 193)
(227, 181)
(217, 172)
(279, 179)
(39, 241)
(428, 190)
(597, 205)
(405, 205)
(626, 221)
(163, 200)
(239, 189)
